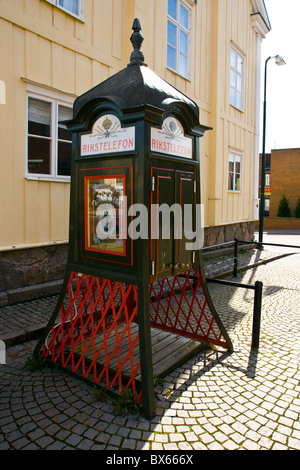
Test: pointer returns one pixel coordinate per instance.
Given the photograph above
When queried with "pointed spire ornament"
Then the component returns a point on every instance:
(136, 57)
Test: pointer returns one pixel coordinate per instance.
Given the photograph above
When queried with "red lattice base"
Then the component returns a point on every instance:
(180, 305)
(96, 332)
(87, 337)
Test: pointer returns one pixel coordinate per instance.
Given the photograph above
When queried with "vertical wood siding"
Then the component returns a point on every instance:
(43, 44)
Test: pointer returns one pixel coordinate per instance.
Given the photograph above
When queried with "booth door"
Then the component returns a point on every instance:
(172, 221)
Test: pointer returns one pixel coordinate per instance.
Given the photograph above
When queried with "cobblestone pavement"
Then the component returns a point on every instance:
(246, 400)
(25, 321)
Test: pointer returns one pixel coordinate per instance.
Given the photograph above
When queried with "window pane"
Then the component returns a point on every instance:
(232, 96)
(171, 59)
(239, 83)
(236, 80)
(239, 100)
(232, 78)
(39, 117)
(239, 65)
(178, 37)
(172, 8)
(184, 17)
(64, 159)
(70, 5)
(233, 59)
(230, 182)
(172, 34)
(183, 43)
(39, 155)
(64, 114)
(183, 64)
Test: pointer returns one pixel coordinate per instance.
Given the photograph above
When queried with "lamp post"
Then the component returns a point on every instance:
(279, 61)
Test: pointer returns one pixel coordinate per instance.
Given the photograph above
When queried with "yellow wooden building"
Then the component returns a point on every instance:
(54, 50)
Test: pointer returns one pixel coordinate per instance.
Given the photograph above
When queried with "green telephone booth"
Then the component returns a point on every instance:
(134, 301)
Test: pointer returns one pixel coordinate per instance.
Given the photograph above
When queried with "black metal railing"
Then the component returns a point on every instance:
(257, 287)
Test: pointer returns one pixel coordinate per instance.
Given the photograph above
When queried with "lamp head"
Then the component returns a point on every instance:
(279, 60)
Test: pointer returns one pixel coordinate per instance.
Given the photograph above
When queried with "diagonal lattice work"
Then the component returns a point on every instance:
(181, 305)
(96, 331)
(94, 334)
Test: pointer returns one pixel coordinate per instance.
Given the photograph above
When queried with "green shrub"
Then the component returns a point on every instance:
(34, 363)
(297, 209)
(284, 207)
(127, 403)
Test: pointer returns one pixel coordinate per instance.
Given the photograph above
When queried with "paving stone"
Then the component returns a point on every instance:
(73, 439)
(247, 400)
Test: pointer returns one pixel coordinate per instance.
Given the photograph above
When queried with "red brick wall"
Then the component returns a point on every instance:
(279, 223)
(285, 178)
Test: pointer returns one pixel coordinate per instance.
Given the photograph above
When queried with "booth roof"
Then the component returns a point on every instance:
(135, 86)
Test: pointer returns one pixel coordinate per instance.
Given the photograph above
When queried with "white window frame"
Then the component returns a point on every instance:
(55, 99)
(80, 8)
(179, 28)
(237, 77)
(235, 157)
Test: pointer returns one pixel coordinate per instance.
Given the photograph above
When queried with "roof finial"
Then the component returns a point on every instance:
(136, 57)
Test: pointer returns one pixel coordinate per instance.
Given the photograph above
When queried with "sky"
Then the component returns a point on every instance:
(283, 83)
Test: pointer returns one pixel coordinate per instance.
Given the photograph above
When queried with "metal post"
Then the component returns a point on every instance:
(279, 61)
(148, 395)
(256, 314)
(235, 257)
(263, 162)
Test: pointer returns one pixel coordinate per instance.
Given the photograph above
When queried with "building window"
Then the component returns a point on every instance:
(237, 79)
(178, 37)
(234, 174)
(267, 206)
(49, 143)
(74, 7)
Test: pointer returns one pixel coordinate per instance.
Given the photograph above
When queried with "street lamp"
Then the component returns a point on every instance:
(279, 61)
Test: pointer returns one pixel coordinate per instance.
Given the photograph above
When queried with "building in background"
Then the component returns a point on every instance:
(54, 50)
(282, 177)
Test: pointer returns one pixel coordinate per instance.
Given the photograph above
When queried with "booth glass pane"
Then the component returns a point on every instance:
(105, 229)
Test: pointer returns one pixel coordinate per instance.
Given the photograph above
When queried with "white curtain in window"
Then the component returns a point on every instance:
(39, 111)
(70, 5)
(64, 114)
